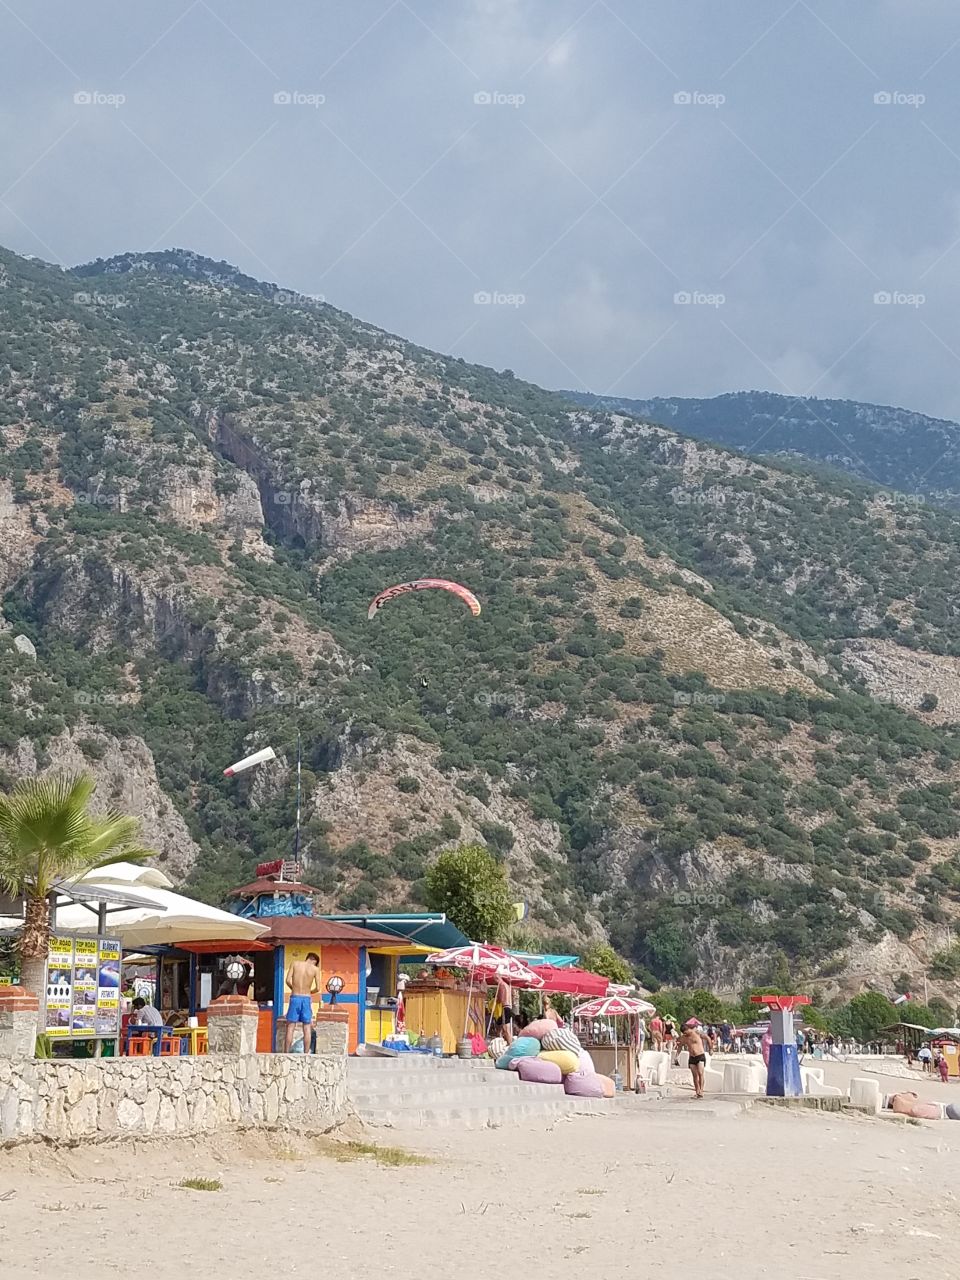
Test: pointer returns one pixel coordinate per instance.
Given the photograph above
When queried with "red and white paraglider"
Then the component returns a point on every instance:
(424, 584)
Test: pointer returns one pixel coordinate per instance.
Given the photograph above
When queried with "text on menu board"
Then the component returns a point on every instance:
(83, 987)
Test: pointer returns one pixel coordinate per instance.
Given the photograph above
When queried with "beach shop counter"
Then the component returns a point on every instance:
(446, 1007)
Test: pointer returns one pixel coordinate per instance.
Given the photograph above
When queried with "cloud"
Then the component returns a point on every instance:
(575, 155)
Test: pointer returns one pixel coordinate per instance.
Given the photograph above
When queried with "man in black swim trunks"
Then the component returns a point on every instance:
(692, 1041)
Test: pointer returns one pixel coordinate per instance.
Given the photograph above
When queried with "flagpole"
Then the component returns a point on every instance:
(296, 846)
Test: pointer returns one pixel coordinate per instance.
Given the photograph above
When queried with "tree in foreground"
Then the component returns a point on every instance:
(48, 835)
(470, 885)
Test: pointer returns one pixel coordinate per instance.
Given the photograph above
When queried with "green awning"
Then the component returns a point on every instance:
(426, 929)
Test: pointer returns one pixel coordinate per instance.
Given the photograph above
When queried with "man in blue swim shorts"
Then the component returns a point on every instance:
(303, 978)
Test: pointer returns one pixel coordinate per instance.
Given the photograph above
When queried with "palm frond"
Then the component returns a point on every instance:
(47, 833)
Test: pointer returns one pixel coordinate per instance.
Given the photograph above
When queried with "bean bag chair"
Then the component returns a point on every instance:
(586, 1067)
(497, 1047)
(565, 1060)
(539, 1028)
(561, 1038)
(522, 1047)
(578, 1086)
(953, 1110)
(538, 1071)
(902, 1102)
(927, 1111)
(609, 1088)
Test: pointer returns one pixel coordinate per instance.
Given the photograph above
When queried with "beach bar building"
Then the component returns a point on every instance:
(363, 951)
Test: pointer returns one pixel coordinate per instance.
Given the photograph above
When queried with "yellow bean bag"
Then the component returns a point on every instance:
(566, 1059)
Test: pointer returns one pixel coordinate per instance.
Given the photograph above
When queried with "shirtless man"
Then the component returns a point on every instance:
(692, 1041)
(303, 978)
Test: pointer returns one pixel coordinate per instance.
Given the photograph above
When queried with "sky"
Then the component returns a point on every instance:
(605, 195)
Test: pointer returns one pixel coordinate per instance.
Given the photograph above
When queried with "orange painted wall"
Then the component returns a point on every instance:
(335, 958)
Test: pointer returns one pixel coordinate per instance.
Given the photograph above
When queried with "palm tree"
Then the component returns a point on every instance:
(46, 835)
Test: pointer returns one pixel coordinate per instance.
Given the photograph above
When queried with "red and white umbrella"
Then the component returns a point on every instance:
(475, 955)
(613, 1007)
(488, 961)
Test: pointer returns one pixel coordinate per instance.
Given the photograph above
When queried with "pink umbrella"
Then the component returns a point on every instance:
(489, 962)
(613, 1007)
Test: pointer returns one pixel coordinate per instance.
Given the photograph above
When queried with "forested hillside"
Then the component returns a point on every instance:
(709, 709)
(916, 457)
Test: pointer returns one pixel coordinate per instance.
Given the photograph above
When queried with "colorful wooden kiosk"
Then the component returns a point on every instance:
(363, 955)
(444, 1008)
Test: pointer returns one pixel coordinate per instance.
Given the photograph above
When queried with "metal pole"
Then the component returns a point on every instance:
(296, 846)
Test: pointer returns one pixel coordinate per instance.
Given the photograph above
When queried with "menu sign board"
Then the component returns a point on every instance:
(83, 987)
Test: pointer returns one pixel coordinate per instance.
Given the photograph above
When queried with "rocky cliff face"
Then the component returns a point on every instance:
(126, 780)
(691, 713)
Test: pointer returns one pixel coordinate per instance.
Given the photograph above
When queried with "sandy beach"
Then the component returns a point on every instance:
(704, 1187)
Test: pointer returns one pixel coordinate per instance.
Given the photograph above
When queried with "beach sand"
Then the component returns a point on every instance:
(699, 1187)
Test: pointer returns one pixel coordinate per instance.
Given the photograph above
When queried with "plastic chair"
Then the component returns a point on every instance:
(140, 1046)
(169, 1047)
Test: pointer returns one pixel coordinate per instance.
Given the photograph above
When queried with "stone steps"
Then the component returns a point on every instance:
(413, 1092)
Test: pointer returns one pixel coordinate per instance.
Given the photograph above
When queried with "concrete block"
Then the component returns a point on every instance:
(738, 1078)
(865, 1093)
(713, 1081)
(654, 1065)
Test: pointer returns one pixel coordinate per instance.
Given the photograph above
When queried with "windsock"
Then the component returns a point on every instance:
(248, 762)
(903, 999)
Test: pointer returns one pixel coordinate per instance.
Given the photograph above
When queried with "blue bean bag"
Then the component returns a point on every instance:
(522, 1047)
(953, 1111)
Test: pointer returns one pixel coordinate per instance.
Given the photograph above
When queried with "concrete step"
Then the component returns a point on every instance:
(428, 1079)
(501, 1095)
(416, 1116)
(416, 1062)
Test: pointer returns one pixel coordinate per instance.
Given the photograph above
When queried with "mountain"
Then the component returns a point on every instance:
(710, 708)
(916, 457)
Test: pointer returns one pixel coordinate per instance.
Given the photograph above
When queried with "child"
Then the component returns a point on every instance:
(943, 1066)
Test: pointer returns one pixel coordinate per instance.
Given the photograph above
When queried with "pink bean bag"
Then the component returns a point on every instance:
(927, 1111)
(538, 1071)
(908, 1104)
(902, 1102)
(609, 1088)
(578, 1086)
(586, 1067)
(539, 1028)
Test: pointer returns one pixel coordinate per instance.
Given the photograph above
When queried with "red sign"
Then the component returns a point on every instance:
(270, 868)
(780, 1002)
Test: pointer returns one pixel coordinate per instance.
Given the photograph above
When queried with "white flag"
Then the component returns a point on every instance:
(248, 762)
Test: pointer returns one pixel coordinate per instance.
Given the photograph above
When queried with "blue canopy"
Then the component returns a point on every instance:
(534, 958)
(426, 929)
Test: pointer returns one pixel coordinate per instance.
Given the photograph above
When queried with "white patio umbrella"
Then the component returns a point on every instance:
(169, 918)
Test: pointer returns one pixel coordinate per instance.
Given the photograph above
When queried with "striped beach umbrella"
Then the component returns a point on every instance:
(613, 1007)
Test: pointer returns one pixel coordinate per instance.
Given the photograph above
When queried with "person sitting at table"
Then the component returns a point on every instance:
(145, 1015)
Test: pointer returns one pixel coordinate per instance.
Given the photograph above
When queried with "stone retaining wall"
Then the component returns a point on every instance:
(140, 1097)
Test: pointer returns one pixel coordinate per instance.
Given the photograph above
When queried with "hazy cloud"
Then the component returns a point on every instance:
(797, 160)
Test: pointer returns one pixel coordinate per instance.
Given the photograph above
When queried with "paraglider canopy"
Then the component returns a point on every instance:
(424, 584)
